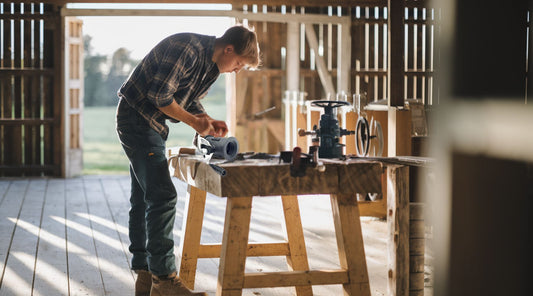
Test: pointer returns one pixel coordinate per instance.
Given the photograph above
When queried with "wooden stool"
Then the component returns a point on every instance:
(234, 249)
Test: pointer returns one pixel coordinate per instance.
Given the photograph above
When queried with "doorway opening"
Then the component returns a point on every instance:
(113, 46)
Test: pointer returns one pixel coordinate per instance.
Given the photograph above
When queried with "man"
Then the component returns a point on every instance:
(168, 84)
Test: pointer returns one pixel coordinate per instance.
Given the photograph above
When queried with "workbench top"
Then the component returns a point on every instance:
(269, 177)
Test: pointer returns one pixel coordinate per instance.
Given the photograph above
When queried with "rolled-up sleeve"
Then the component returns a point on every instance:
(166, 78)
(196, 107)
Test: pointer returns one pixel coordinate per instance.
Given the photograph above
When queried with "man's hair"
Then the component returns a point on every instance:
(244, 41)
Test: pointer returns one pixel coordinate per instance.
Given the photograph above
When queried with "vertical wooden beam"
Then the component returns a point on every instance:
(193, 218)
(16, 139)
(322, 70)
(234, 246)
(6, 90)
(474, 78)
(417, 244)
(66, 54)
(395, 71)
(293, 81)
(398, 228)
(58, 96)
(398, 132)
(293, 56)
(37, 93)
(344, 57)
(350, 243)
(297, 260)
(29, 145)
(52, 98)
(529, 73)
(487, 234)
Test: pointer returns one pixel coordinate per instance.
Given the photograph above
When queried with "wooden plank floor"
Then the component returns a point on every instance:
(70, 237)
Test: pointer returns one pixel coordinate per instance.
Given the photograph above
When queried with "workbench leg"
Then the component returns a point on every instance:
(398, 228)
(350, 243)
(193, 217)
(297, 260)
(234, 246)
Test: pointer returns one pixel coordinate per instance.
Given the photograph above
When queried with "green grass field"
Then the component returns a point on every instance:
(102, 153)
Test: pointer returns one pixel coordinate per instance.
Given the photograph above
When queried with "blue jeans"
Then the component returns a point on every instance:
(153, 195)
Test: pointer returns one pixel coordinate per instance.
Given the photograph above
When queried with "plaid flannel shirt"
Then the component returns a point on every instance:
(179, 68)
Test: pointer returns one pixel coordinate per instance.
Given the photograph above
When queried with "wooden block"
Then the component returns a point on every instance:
(361, 177)
(399, 132)
(373, 208)
(277, 180)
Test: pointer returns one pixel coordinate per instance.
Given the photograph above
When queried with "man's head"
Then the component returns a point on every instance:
(238, 48)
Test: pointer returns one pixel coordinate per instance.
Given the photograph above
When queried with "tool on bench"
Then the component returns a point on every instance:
(214, 147)
(329, 132)
(300, 161)
(222, 148)
(365, 132)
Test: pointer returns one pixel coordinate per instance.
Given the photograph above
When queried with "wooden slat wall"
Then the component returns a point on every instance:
(369, 52)
(29, 117)
(262, 89)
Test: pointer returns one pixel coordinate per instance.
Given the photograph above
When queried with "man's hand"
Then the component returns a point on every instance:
(201, 123)
(206, 125)
(221, 129)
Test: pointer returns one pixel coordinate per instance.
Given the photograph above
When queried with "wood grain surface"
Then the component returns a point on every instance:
(269, 177)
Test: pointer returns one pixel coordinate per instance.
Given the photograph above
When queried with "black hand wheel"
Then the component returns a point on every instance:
(329, 104)
(362, 136)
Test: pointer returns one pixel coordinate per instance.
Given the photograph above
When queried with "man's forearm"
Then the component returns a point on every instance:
(174, 110)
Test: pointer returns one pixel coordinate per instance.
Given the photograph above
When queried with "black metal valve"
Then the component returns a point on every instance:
(329, 132)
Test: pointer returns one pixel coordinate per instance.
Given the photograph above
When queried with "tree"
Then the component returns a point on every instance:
(121, 66)
(94, 77)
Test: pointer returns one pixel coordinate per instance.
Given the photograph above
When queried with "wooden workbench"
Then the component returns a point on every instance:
(247, 179)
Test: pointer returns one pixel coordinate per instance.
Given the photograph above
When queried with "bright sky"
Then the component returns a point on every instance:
(140, 34)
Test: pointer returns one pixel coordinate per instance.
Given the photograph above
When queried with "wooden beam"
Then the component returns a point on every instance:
(289, 278)
(395, 53)
(259, 17)
(314, 3)
(253, 250)
(322, 69)
(344, 57)
(398, 228)
(193, 219)
(293, 58)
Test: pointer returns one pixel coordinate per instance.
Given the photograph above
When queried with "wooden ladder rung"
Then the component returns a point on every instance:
(254, 250)
(294, 278)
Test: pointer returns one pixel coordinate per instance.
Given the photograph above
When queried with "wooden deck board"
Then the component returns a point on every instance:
(51, 266)
(69, 237)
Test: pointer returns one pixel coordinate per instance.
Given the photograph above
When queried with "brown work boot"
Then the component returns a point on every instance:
(171, 286)
(143, 284)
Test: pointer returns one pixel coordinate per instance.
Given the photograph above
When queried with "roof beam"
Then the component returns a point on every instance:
(309, 3)
(261, 17)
